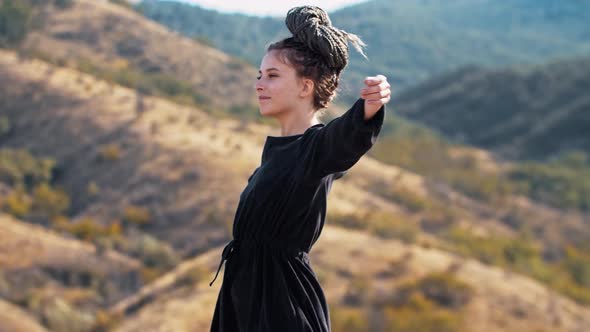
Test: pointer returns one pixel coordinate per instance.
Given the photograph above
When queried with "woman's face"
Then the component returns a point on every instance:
(278, 87)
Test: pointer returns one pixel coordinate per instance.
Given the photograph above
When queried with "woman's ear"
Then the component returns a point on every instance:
(307, 86)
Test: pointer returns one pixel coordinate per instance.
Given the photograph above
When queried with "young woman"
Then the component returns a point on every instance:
(268, 284)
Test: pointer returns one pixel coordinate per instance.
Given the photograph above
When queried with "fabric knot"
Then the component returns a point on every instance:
(227, 250)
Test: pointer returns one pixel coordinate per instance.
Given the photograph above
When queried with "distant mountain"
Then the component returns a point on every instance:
(534, 112)
(408, 40)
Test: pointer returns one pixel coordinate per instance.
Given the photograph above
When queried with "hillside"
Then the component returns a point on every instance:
(133, 149)
(113, 41)
(520, 113)
(408, 41)
(15, 319)
(42, 270)
(364, 278)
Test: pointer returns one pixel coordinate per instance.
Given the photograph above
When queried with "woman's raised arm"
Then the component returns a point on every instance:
(343, 141)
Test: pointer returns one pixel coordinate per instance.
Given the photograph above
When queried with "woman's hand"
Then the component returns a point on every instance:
(376, 93)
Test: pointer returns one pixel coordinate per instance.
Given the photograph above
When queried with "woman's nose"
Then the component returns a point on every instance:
(258, 86)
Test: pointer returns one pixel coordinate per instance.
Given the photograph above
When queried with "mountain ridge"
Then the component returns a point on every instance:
(420, 40)
(532, 113)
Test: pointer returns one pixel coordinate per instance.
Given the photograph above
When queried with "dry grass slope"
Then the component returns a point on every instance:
(38, 246)
(116, 38)
(503, 301)
(14, 319)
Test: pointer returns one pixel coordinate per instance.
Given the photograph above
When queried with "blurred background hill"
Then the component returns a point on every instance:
(407, 40)
(128, 130)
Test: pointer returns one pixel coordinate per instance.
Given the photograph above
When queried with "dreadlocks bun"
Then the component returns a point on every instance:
(311, 26)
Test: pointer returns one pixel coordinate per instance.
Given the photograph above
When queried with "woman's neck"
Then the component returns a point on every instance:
(297, 121)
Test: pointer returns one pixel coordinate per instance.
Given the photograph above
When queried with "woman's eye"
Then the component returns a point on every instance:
(271, 75)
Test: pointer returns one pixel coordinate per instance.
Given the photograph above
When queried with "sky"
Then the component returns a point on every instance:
(268, 8)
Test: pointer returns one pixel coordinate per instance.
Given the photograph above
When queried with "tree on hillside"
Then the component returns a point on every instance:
(15, 18)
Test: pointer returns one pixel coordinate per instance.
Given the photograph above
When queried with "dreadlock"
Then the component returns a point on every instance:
(317, 50)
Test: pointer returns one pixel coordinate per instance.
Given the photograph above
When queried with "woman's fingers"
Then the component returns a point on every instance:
(377, 91)
(381, 101)
(376, 95)
(370, 81)
(374, 84)
(374, 88)
(380, 93)
(374, 80)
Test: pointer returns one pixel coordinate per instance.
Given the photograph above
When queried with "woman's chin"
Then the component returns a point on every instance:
(265, 111)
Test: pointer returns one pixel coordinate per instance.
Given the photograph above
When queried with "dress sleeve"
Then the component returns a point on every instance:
(338, 145)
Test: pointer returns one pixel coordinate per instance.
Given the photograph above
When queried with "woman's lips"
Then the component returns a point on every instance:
(263, 98)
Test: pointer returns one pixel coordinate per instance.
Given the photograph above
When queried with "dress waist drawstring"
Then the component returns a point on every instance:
(234, 244)
(229, 248)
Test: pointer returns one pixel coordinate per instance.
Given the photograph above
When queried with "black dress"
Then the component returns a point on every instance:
(268, 283)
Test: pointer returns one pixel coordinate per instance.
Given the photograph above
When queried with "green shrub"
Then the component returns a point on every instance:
(149, 274)
(110, 152)
(577, 293)
(114, 229)
(136, 215)
(517, 252)
(60, 316)
(358, 291)
(63, 4)
(348, 319)
(50, 202)
(445, 290)
(562, 183)
(431, 303)
(170, 86)
(518, 218)
(193, 276)
(92, 189)
(487, 250)
(409, 199)
(122, 3)
(350, 220)
(440, 288)
(434, 214)
(203, 40)
(478, 185)
(570, 276)
(154, 84)
(427, 153)
(388, 225)
(577, 264)
(17, 203)
(439, 218)
(383, 224)
(86, 229)
(5, 126)
(15, 22)
(105, 321)
(411, 319)
(21, 167)
(520, 252)
(154, 253)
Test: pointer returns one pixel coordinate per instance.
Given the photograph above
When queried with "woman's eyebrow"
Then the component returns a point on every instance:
(269, 69)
